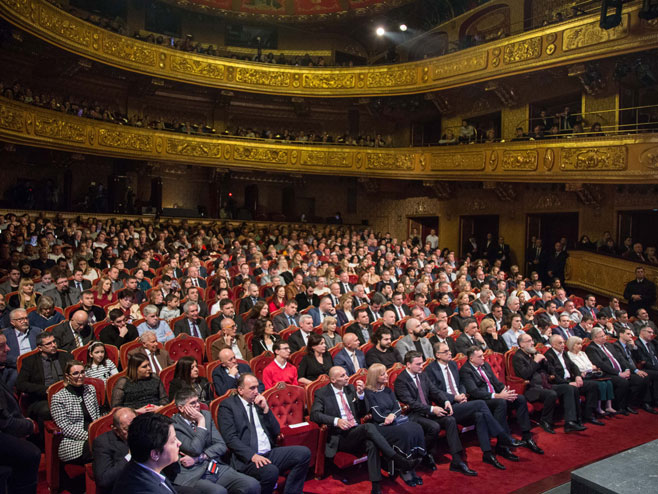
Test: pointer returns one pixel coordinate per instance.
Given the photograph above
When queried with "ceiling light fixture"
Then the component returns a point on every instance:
(403, 27)
(380, 31)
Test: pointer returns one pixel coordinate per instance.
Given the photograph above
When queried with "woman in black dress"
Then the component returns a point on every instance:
(491, 336)
(405, 436)
(140, 388)
(316, 362)
(186, 374)
(264, 337)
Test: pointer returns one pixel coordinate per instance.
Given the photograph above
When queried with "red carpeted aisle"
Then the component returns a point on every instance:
(534, 473)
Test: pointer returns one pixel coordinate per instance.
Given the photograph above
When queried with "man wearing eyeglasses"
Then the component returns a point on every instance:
(21, 339)
(232, 340)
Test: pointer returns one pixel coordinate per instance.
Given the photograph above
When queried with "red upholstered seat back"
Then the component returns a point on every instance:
(460, 359)
(497, 363)
(184, 345)
(98, 427)
(259, 363)
(287, 403)
(393, 373)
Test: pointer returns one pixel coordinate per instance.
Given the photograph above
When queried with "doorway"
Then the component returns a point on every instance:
(551, 227)
(639, 225)
(421, 226)
(478, 225)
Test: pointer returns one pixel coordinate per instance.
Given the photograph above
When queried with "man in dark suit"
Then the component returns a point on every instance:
(482, 304)
(159, 358)
(74, 333)
(537, 370)
(225, 376)
(626, 385)
(17, 453)
(350, 357)
(78, 282)
(202, 445)
(481, 383)
(110, 451)
(21, 339)
(252, 298)
(640, 292)
(642, 350)
(250, 430)
(288, 316)
(590, 307)
(464, 314)
(344, 282)
(194, 276)
(299, 339)
(556, 263)
(567, 372)
(94, 312)
(470, 337)
(340, 407)
(503, 254)
(243, 275)
(194, 296)
(362, 328)
(415, 389)
(360, 298)
(323, 310)
(536, 257)
(63, 295)
(227, 310)
(306, 299)
(40, 371)
(400, 309)
(192, 324)
(444, 373)
(441, 330)
(153, 446)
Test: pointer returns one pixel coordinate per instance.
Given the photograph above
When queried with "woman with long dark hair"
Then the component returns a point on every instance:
(187, 374)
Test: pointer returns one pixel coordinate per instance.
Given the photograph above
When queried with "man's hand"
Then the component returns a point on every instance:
(641, 373)
(539, 357)
(187, 461)
(195, 415)
(438, 411)
(506, 394)
(343, 424)
(579, 381)
(478, 337)
(461, 398)
(260, 461)
(262, 402)
(123, 331)
(389, 418)
(626, 374)
(636, 297)
(359, 387)
(448, 407)
(233, 371)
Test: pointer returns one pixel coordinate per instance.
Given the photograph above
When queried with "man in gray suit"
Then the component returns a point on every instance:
(202, 445)
(415, 338)
(63, 295)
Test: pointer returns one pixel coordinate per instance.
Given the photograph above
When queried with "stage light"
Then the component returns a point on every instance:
(380, 31)
(403, 27)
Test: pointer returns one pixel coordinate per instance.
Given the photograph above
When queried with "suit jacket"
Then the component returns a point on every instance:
(235, 429)
(586, 311)
(343, 290)
(325, 409)
(135, 479)
(317, 317)
(343, 359)
(556, 263)
(246, 304)
(292, 291)
(407, 392)
(31, 379)
(628, 359)
(223, 382)
(303, 301)
(358, 301)
(573, 369)
(481, 307)
(458, 322)
(86, 284)
(537, 374)
(463, 343)
(195, 441)
(372, 317)
(435, 374)
(64, 336)
(281, 322)
(162, 356)
(536, 336)
(219, 344)
(216, 324)
(601, 360)
(475, 386)
(356, 329)
(183, 326)
(641, 354)
(109, 460)
(12, 420)
(449, 341)
(405, 310)
(406, 344)
(73, 294)
(66, 409)
(12, 341)
(296, 341)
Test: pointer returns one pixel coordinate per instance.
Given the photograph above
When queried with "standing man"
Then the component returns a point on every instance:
(640, 292)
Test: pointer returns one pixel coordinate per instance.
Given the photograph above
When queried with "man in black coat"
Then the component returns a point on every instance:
(481, 383)
(640, 292)
(192, 324)
(642, 350)
(415, 389)
(227, 310)
(250, 430)
(225, 376)
(346, 433)
(110, 451)
(556, 263)
(307, 299)
(538, 371)
(74, 333)
(567, 372)
(17, 453)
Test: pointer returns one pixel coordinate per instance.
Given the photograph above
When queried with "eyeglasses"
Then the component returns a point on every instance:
(77, 374)
(19, 319)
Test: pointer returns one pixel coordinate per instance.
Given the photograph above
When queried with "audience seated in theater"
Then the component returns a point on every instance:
(118, 331)
(299, 339)
(316, 362)
(140, 388)
(350, 357)
(98, 365)
(152, 322)
(186, 375)
(158, 357)
(74, 333)
(227, 309)
(470, 337)
(231, 339)
(414, 340)
(280, 369)
(63, 295)
(383, 352)
(225, 376)
(193, 324)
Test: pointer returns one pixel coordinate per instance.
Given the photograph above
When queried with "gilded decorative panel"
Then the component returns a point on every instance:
(329, 81)
(130, 50)
(11, 118)
(266, 155)
(591, 34)
(71, 29)
(522, 159)
(520, 51)
(55, 128)
(389, 161)
(22, 7)
(196, 67)
(391, 78)
(473, 161)
(126, 140)
(260, 77)
(601, 158)
(649, 158)
(463, 65)
(187, 147)
(325, 158)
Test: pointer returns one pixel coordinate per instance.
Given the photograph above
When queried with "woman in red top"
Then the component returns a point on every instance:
(103, 295)
(278, 299)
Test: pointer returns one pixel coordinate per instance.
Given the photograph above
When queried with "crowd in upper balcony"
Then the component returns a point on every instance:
(366, 140)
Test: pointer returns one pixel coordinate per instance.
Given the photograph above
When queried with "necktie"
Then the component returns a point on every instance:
(195, 282)
(78, 285)
(78, 340)
(400, 313)
(612, 359)
(195, 330)
(421, 393)
(486, 380)
(155, 363)
(253, 440)
(650, 350)
(355, 362)
(451, 382)
(348, 412)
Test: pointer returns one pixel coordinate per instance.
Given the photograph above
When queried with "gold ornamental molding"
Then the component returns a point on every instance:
(627, 159)
(574, 41)
(603, 274)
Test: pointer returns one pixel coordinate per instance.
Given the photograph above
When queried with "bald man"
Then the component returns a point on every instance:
(350, 357)
(111, 452)
(74, 333)
(225, 376)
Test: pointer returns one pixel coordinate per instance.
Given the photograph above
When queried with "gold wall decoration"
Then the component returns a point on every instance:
(189, 147)
(493, 160)
(122, 48)
(258, 77)
(520, 51)
(464, 64)
(75, 32)
(391, 78)
(600, 158)
(12, 119)
(329, 81)
(185, 65)
(549, 159)
(649, 158)
(247, 153)
(125, 140)
(457, 161)
(522, 159)
(591, 34)
(58, 129)
(389, 161)
(325, 158)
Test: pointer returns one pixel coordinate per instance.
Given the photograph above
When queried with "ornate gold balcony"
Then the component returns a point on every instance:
(576, 41)
(620, 159)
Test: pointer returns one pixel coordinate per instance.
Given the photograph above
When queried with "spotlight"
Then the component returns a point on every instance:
(380, 31)
(403, 27)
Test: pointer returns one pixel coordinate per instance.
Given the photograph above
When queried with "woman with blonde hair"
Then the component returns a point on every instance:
(331, 337)
(344, 309)
(103, 295)
(406, 437)
(491, 337)
(26, 297)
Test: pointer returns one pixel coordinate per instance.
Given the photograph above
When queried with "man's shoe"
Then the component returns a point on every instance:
(505, 452)
(647, 408)
(622, 411)
(594, 421)
(491, 460)
(462, 467)
(510, 442)
(532, 446)
(428, 461)
(631, 410)
(546, 426)
(573, 427)
(418, 480)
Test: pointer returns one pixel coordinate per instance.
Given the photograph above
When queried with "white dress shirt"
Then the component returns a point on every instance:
(263, 441)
